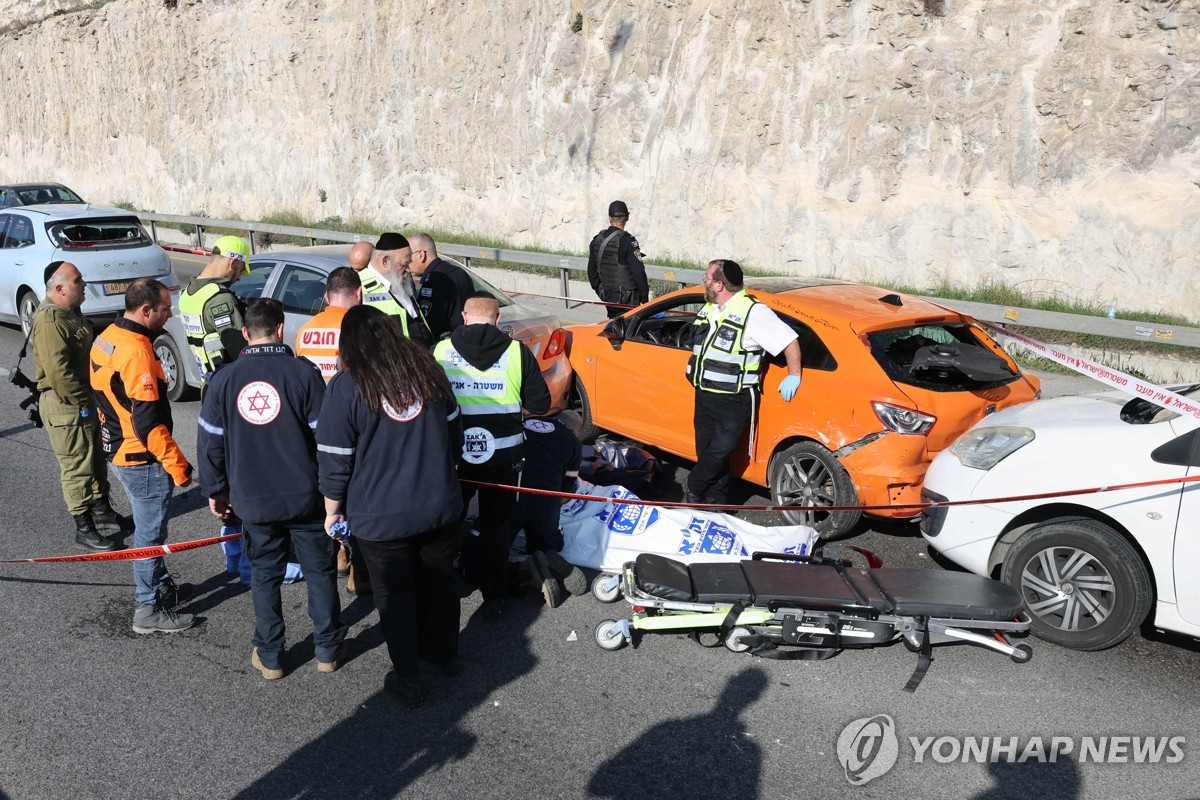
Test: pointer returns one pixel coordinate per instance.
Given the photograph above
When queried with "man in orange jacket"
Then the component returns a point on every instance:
(135, 434)
(317, 339)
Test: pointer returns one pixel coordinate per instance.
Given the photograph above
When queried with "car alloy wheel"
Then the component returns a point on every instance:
(168, 356)
(1084, 585)
(807, 474)
(26, 308)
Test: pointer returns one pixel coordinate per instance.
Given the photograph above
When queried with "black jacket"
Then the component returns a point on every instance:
(615, 271)
(394, 472)
(256, 436)
(444, 289)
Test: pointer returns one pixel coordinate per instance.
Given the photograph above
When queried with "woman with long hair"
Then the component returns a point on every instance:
(387, 441)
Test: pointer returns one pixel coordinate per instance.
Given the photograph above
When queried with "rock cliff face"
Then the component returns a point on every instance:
(1055, 145)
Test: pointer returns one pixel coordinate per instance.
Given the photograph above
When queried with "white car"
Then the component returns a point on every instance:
(1091, 567)
(109, 246)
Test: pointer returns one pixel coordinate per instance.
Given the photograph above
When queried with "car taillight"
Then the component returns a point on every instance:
(903, 420)
(558, 341)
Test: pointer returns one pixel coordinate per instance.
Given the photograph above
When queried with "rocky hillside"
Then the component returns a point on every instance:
(1048, 144)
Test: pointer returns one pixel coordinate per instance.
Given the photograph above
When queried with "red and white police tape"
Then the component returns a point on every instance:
(128, 555)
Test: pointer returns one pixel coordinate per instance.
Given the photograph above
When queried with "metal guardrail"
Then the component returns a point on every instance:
(997, 315)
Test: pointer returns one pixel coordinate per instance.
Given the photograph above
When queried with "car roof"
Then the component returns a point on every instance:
(21, 186)
(70, 211)
(324, 256)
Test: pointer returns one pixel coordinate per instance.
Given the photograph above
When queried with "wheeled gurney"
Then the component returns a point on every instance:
(819, 604)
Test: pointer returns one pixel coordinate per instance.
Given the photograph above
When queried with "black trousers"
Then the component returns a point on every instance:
(495, 512)
(719, 420)
(416, 593)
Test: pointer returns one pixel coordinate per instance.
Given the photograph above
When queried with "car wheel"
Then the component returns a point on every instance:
(168, 356)
(590, 431)
(26, 308)
(807, 474)
(1085, 586)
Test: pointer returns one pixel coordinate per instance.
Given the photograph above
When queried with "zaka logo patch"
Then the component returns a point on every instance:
(706, 536)
(628, 520)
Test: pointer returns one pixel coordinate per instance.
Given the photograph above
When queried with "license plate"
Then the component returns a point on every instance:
(116, 287)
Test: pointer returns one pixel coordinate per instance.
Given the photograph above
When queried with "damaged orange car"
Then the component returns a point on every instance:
(890, 380)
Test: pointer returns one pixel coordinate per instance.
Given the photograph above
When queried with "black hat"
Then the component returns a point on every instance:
(732, 272)
(48, 273)
(617, 208)
(391, 241)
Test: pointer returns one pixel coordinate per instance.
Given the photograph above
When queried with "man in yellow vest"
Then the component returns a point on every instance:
(492, 376)
(729, 336)
(317, 339)
(388, 286)
(211, 314)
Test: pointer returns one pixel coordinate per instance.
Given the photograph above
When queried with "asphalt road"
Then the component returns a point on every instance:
(91, 710)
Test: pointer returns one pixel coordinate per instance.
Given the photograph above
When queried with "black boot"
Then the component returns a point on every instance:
(87, 535)
(103, 514)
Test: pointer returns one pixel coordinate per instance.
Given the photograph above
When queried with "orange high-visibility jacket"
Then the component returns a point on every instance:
(317, 340)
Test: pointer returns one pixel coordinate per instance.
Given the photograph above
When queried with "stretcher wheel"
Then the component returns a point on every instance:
(734, 640)
(600, 590)
(1024, 653)
(607, 638)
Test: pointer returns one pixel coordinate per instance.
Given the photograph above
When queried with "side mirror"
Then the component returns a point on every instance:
(614, 331)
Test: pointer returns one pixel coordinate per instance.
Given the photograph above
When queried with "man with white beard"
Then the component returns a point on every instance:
(398, 297)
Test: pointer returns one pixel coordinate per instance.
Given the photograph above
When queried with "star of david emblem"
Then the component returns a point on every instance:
(258, 403)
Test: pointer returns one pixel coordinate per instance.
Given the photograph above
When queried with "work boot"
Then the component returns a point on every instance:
(171, 594)
(359, 581)
(103, 514)
(268, 673)
(87, 536)
(343, 563)
(572, 577)
(544, 579)
(153, 618)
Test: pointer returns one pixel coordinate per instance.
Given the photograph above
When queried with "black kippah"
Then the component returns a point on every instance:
(391, 241)
(733, 272)
(50, 270)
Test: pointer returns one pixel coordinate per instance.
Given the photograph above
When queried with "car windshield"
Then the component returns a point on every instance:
(47, 194)
(1140, 411)
(98, 234)
(941, 357)
(251, 286)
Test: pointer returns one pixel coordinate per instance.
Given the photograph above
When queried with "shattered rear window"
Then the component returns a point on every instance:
(939, 357)
(98, 234)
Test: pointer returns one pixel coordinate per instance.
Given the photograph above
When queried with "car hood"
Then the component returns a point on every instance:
(1095, 410)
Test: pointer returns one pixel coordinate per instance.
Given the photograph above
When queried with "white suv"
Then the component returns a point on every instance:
(109, 246)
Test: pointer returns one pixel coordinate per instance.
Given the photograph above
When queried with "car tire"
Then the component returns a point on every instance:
(808, 474)
(173, 369)
(589, 432)
(26, 307)
(1067, 571)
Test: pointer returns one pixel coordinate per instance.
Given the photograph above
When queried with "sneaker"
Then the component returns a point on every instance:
(87, 536)
(268, 673)
(339, 658)
(572, 577)
(492, 610)
(406, 690)
(544, 579)
(343, 563)
(153, 618)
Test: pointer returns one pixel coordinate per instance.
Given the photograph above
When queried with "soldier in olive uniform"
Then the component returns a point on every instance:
(62, 339)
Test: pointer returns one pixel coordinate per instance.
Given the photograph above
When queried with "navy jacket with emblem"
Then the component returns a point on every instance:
(393, 472)
(256, 437)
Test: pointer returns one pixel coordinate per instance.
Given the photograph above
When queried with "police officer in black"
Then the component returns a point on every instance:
(615, 267)
(258, 456)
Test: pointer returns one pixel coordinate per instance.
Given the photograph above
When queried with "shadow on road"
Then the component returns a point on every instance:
(707, 756)
(1016, 781)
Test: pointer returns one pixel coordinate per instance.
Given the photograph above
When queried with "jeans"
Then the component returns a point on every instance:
(149, 489)
(416, 592)
(267, 545)
(719, 420)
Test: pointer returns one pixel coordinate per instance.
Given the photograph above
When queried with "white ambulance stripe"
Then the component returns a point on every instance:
(472, 409)
(337, 451)
(451, 417)
(509, 441)
(213, 429)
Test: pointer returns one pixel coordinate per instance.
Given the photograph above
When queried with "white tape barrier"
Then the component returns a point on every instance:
(1118, 380)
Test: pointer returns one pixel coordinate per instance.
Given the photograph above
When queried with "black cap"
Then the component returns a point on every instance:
(48, 273)
(391, 241)
(617, 208)
(732, 272)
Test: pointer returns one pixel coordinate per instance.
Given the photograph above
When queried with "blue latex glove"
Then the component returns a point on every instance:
(788, 387)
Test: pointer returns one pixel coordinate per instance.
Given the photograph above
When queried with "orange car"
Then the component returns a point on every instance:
(889, 381)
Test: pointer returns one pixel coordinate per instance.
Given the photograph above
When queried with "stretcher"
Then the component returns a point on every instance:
(818, 605)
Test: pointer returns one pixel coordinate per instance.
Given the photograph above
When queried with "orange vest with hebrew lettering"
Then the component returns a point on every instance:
(318, 340)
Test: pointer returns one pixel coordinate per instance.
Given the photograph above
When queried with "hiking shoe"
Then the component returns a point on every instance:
(338, 659)
(171, 594)
(103, 514)
(268, 673)
(153, 618)
(343, 563)
(572, 577)
(406, 690)
(544, 579)
(87, 536)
